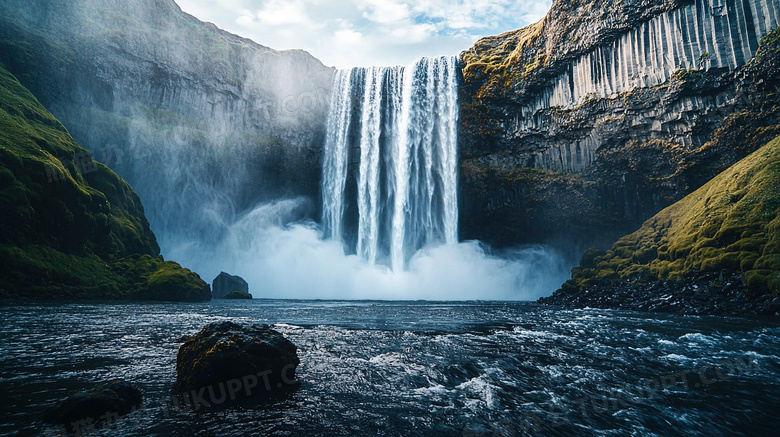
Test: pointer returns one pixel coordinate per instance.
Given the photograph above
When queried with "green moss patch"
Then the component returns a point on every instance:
(730, 224)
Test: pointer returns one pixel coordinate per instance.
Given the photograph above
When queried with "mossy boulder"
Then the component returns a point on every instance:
(69, 226)
(237, 295)
(226, 361)
(112, 399)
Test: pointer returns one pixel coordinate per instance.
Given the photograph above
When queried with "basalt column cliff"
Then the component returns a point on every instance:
(583, 125)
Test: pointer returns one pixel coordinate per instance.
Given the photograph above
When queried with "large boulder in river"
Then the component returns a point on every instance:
(225, 361)
(225, 283)
(112, 399)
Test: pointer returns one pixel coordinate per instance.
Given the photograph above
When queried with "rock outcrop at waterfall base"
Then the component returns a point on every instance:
(174, 105)
(69, 226)
(582, 126)
(715, 251)
(225, 284)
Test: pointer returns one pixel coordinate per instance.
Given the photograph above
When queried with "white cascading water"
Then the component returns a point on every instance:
(335, 168)
(395, 129)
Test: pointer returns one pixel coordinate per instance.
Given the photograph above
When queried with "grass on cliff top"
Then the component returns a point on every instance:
(731, 223)
(507, 59)
(493, 53)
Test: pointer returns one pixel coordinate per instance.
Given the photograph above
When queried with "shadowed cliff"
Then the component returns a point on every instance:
(71, 228)
(202, 123)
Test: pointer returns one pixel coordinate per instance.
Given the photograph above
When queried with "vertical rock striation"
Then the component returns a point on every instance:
(705, 35)
(611, 102)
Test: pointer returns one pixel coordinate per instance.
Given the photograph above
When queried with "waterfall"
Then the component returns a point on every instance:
(390, 170)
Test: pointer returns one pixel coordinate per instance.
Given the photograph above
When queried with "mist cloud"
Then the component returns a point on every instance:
(283, 259)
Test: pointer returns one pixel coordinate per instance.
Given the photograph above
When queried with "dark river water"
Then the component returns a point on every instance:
(411, 368)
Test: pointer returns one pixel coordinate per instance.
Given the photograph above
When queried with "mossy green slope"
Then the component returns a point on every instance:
(730, 224)
(69, 226)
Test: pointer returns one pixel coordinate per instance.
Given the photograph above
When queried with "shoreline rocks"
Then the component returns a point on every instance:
(700, 294)
(226, 283)
(237, 295)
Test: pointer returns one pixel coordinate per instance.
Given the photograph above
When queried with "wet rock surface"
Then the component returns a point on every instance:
(237, 295)
(225, 283)
(112, 399)
(226, 361)
(705, 293)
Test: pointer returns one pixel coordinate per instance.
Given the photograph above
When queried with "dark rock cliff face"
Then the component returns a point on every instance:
(582, 126)
(202, 123)
(225, 283)
(577, 128)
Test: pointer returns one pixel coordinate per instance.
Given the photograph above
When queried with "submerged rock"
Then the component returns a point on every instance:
(226, 361)
(111, 399)
(225, 283)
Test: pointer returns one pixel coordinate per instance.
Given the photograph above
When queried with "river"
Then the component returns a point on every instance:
(410, 368)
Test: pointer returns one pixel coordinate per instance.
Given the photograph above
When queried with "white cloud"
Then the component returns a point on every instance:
(276, 13)
(281, 12)
(384, 11)
(245, 18)
(349, 33)
(348, 36)
(413, 33)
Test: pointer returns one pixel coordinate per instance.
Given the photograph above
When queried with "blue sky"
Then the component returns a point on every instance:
(346, 33)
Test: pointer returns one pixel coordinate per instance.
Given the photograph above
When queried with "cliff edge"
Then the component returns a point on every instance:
(203, 124)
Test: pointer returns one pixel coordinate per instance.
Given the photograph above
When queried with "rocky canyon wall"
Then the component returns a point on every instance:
(202, 123)
(578, 127)
(587, 123)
